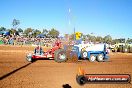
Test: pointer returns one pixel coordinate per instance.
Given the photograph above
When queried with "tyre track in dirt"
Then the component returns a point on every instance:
(12, 72)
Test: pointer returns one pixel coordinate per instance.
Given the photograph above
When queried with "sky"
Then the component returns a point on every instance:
(96, 17)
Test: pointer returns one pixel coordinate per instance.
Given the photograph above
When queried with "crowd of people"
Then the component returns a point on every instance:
(21, 40)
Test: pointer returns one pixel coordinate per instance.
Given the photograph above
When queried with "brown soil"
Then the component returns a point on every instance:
(16, 72)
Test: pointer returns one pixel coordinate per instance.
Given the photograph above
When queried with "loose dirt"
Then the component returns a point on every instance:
(16, 72)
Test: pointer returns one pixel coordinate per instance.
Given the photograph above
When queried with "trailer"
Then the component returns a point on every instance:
(92, 52)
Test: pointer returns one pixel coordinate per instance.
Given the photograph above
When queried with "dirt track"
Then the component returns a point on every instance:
(16, 72)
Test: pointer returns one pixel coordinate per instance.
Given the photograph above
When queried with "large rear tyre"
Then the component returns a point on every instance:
(100, 57)
(92, 58)
(84, 54)
(60, 56)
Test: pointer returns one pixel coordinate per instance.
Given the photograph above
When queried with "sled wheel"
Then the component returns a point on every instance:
(92, 58)
(100, 57)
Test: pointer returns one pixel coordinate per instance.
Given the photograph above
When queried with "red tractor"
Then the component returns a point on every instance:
(56, 53)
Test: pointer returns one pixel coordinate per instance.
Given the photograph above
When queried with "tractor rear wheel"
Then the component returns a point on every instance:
(60, 55)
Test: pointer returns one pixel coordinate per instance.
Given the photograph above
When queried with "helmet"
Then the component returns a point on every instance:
(38, 47)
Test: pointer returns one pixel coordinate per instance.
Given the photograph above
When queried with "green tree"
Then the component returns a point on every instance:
(45, 32)
(20, 30)
(12, 31)
(53, 33)
(88, 37)
(99, 39)
(36, 32)
(129, 40)
(2, 29)
(28, 31)
(122, 40)
(15, 23)
(114, 41)
(93, 39)
(108, 39)
(83, 37)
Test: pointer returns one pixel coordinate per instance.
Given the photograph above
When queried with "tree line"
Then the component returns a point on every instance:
(30, 32)
(106, 39)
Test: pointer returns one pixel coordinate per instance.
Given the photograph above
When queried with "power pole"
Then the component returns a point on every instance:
(74, 35)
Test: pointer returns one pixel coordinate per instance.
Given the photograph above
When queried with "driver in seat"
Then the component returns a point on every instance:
(38, 50)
